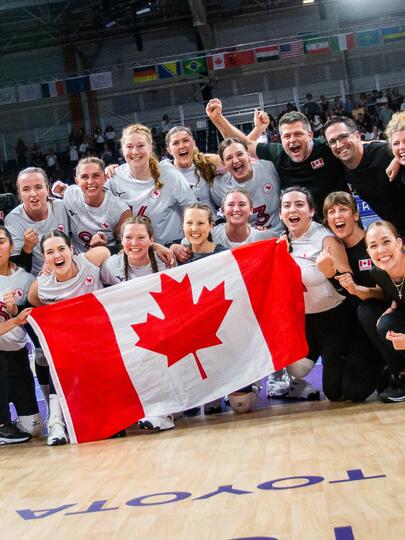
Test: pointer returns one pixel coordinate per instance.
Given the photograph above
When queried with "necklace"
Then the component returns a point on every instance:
(399, 287)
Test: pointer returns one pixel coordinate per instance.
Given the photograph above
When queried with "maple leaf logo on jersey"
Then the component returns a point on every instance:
(155, 194)
(105, 225)
(182, 331)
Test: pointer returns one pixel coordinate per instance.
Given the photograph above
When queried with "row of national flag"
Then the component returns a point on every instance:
(60, 87)
(231, 58)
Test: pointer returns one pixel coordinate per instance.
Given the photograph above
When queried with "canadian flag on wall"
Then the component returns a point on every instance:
(174, 340)
(216, 61)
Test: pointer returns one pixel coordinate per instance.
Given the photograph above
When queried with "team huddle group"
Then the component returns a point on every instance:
(145, 216)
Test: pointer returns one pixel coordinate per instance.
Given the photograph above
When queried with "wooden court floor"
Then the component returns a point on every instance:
(311, 471)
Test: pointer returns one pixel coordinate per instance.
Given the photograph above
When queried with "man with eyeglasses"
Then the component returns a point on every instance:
(299, 159)
(365, 165)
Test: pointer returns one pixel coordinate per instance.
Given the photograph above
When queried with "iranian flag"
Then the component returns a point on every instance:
(317, 45)
(174, 340)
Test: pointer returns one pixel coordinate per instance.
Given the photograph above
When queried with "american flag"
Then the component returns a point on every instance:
(290, 50)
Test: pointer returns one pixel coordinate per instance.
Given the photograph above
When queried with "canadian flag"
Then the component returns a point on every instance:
(174, 340)
(216, 61)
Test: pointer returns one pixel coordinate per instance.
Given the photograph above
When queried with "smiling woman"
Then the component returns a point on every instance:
(161, 193)
(69, 276)
(35, 216)
(96, 215)
(386, 250)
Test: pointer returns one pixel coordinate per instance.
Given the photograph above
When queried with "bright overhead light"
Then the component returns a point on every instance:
(308, 1)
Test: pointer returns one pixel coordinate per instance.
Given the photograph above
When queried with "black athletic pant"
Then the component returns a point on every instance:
(348, 370)
(16, 384)
(369, 312)
(42, 372)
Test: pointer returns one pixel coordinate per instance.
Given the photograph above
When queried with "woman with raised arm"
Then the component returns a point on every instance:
(259, 178)
(70, 276)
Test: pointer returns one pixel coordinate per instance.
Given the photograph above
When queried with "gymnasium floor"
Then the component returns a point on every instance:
(288, 471)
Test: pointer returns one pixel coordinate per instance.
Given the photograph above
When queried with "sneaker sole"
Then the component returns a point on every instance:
(393, 400)
(57, 442)
(148, 426)
(4, 441)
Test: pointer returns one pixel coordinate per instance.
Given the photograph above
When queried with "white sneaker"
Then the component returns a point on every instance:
(157, 423)
(302, 389)
(56, 426)
(278, 383)
(32, 424)
(56, 433)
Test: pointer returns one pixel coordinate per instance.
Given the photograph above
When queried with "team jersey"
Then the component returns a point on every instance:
(86, 280)
(263, 187)
(198, 185)
(319, 294)
(17, 222)
(20, 282)
(113, 269)
(219, 236)
(86, 220)
(164, 207)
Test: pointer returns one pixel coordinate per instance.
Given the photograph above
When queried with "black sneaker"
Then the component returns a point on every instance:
(395, 393)
(10, 434)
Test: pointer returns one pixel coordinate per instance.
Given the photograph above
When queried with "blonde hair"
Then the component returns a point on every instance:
(380, 225)
(140, 129)
(204, 167)
(88, 160)
(397, 123)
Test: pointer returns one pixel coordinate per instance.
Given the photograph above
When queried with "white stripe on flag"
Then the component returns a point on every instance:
(244, 354)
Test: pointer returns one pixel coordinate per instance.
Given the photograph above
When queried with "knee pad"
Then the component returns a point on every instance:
(242, 402)
(300, 368)
(40, 357)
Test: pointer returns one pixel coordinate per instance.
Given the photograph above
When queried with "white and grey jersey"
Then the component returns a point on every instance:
(113, 269)
(85, 281)
(197, 183)
(19, 281)
(164, 207)
(219, 236)
(263, 187)
(319, 294)
(86, 220)
(17, 222)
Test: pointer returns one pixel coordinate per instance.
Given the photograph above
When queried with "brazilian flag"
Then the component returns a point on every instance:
(194, 66)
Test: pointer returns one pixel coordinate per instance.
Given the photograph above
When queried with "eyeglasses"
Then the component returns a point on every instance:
(340, 138)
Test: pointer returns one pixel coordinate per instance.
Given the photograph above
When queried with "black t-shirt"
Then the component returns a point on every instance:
(197, 256)
(321, 173)
(370, 181)
(361, 265)
(385, 282)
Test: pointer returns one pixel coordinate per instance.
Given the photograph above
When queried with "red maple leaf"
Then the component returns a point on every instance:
(186, 327)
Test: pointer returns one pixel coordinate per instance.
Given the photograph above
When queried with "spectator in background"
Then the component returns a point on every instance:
(165, 125)
(99, 141)
(73, 159)
(110, 136)
(385, 114)
(21, 152)
(83, 149)
(37, 158)
(311, 107)
(51, 161)
(107, 155)
(325, 108)
(349, 106)
(374, 135)
(396, 100)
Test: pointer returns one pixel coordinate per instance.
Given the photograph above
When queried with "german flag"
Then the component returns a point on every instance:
(145, 74)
